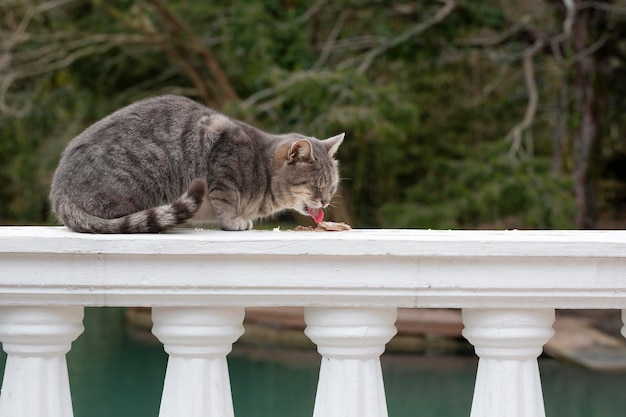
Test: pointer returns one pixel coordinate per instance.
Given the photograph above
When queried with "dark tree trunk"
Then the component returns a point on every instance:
(587, 102)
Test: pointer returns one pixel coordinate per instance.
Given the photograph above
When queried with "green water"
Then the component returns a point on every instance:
(114, 376)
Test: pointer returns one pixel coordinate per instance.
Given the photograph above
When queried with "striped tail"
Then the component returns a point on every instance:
(153, 220)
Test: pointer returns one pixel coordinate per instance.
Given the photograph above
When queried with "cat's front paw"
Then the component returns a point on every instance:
(236, 224)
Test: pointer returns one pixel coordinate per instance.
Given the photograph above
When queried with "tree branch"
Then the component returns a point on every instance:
(570, 15)
(270, 91)
(441, 14)
(332, 37)
(31, 12)
(312, 11)
(495, 40)
(186, 40)
(605, 7)
(515, 135)
(33, 55)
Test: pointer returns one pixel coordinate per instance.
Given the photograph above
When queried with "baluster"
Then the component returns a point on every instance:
(197, 382)
(350, 341)
(624, 322)
(508, 343)
(36, 339)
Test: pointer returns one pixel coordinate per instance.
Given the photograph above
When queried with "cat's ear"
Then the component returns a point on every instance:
(332, 144)
(301, 151)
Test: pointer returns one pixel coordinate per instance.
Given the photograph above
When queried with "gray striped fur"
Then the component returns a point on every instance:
(164, 161)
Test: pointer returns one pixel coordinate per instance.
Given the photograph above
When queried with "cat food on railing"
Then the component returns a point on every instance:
(325, 227)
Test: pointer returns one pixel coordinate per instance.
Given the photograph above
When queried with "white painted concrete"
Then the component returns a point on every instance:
(362, 267)
(508, 343)
(197, 340)
(350, 341)
(36, 340)
(351, 283)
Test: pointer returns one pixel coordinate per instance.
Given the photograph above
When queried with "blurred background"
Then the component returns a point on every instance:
(458, 114)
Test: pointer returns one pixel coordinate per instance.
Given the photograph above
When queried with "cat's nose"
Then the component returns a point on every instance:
(325, 203)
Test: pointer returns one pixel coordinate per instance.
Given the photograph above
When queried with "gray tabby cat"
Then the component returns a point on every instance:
(166, 160)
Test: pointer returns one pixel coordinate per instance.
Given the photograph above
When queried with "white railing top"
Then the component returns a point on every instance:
(402, 268)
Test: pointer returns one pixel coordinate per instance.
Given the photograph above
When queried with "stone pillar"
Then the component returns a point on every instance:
(508, 343)
(350, 341)
(197, 339)
(36, 339)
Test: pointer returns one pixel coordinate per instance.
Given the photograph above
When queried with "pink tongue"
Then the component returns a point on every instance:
(317, 214)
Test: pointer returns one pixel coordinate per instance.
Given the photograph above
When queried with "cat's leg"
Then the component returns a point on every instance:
(208, 214)
(237, 223)
(226, 212)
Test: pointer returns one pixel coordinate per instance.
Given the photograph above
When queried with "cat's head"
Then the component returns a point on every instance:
(306, 174)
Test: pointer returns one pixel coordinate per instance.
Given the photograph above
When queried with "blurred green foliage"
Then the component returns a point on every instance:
(425, 122)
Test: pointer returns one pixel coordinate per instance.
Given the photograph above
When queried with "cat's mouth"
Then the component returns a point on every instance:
(316, 213)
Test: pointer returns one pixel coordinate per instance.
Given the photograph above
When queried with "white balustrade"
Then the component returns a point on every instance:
(351, 284)
(508, 343)
(36, 340)
(197, 341)
(350, 341)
